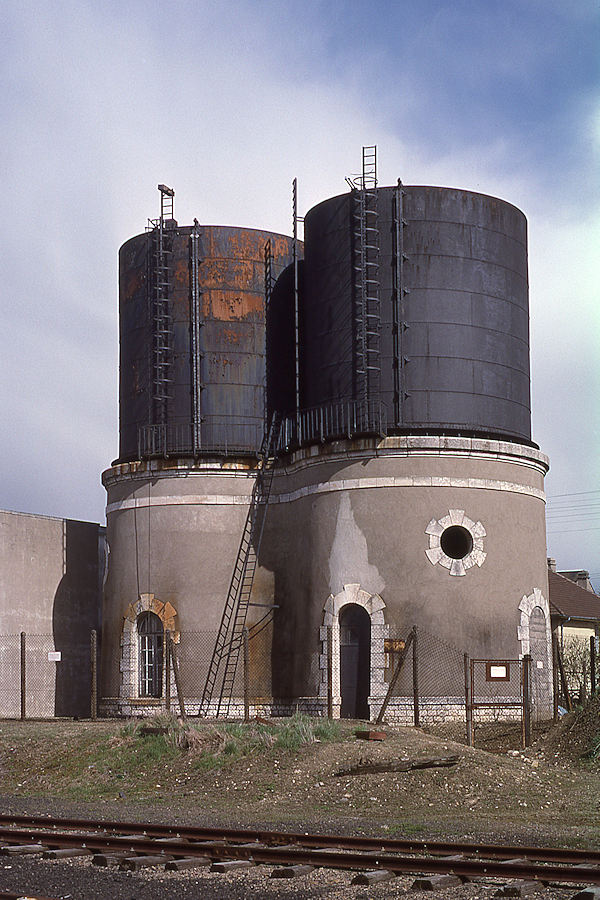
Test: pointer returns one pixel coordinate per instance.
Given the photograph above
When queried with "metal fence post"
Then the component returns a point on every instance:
(555, 682)
(468, 702)
(94, 674)
(592, 664)
(527, 700)
(415, 675)
(23, 687)
(329, 672)
(168, 671)
(246, 645)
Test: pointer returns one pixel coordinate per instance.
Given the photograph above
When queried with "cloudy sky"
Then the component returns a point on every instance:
(228, 101)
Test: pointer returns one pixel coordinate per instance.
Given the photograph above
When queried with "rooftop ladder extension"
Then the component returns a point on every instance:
(223, 665)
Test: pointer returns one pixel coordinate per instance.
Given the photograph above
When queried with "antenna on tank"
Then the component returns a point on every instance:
(295, 220)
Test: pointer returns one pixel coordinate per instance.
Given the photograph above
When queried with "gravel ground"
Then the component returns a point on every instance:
(80, 880)
(545, 797)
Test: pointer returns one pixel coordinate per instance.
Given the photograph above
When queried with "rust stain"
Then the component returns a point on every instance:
(231, 336)
(132, 282)
(231, 306)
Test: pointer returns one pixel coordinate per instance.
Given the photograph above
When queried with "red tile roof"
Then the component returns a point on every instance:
(568, 599)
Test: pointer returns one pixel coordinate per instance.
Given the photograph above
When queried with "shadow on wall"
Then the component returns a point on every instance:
(76, 612)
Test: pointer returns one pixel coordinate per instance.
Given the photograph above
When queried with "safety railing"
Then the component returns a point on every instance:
(343, 419)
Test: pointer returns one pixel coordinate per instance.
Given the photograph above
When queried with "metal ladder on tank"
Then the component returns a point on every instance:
(228, 645)
(367, 312)
(160, 279)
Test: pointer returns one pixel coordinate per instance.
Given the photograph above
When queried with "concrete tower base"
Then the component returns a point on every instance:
(443, 533)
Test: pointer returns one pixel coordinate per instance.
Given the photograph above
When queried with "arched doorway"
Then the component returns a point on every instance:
(151, 635)
(355, 661)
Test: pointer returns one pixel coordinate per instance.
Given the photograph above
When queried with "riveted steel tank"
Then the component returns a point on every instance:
(212, 366)
(452, 317)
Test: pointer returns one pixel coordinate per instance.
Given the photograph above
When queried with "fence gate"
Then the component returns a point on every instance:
(498, 688)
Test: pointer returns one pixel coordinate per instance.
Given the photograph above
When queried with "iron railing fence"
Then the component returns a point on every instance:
(331, 421)
(343, 419)
(175, 439)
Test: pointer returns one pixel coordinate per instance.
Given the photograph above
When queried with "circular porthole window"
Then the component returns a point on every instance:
(455, 542)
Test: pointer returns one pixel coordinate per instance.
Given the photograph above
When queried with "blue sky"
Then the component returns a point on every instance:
(228, 102)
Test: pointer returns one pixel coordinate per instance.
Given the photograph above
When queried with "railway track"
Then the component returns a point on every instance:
(133, 845)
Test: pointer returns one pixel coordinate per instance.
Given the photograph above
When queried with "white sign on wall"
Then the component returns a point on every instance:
(54, 655)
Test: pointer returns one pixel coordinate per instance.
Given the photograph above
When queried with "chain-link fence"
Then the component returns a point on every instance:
(40, 678)
(185, 672)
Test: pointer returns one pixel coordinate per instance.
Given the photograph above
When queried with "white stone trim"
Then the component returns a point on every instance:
(402, 446)
(329, 487)
(374, 606)
(184, 500)
(526, 606)
(436, 555)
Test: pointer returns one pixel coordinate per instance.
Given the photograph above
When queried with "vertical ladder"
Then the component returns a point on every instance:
(399, 312)
(295, 220)
(223, 665)
(195, 325)
(160, 281)
(367, 313)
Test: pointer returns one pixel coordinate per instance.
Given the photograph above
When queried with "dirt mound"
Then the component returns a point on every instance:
(576, 736)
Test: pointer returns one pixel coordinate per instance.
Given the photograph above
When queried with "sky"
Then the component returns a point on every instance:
(228, 102)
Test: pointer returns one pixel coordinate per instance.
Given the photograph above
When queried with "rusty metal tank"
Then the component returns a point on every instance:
(451, 351)
(192, 345)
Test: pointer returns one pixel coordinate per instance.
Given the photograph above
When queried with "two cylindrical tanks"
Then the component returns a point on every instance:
(419, 306)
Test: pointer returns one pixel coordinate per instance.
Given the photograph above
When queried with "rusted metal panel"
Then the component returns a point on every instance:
(231, 347)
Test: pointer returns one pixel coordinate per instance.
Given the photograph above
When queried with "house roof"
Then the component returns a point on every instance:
(569, 600)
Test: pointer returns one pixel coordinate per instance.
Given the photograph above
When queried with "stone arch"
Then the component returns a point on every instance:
(374, 606)
(166, 612)
(542, 679)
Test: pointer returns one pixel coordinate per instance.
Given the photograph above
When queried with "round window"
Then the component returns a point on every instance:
(456, 542)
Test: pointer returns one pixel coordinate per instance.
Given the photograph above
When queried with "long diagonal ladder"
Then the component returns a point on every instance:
(223, 665)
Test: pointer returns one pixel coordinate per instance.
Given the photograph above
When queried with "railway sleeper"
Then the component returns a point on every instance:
(133, 863)
(517, 889)
(187, 862)
(373, 876)
(22, 849)
(291, 871)
(434, 882)
(227, 865)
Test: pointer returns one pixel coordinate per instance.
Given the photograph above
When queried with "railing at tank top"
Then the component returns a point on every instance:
(343, 419)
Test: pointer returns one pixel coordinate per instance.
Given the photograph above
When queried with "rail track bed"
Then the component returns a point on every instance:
(132, 846)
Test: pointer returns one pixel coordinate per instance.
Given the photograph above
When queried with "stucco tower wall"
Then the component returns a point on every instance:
(370, 513)
(173, 532)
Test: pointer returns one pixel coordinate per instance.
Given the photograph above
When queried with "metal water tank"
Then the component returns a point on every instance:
(192, 344)
(451, 353)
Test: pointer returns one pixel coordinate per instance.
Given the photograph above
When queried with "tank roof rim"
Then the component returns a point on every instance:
(431, 187)
(188, 228)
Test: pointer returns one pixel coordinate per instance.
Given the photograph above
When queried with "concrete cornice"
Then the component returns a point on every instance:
(417, 446)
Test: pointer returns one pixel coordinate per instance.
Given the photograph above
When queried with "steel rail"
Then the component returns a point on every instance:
(258, 853)
(345, 842)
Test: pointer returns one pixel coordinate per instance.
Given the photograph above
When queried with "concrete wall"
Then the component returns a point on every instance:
(50, 587)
